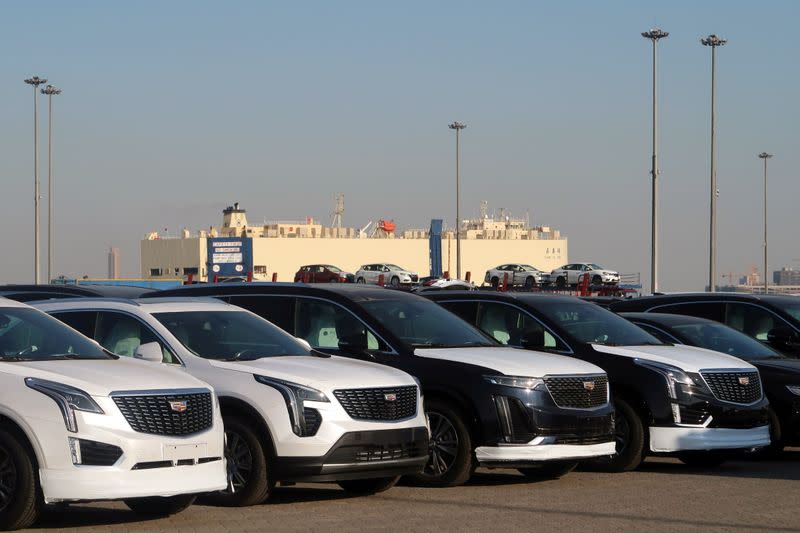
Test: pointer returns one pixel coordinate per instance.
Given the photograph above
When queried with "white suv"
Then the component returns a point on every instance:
(290, 413)
(393, 275)
(570, 274)
(79, 424)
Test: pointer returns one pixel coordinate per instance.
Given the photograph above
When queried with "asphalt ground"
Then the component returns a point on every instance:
(663, 495)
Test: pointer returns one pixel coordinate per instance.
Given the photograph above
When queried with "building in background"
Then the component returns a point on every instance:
(113, 263)
(239, 249)
(786, 276)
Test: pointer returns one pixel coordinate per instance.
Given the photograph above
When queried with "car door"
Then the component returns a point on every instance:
(752, 319)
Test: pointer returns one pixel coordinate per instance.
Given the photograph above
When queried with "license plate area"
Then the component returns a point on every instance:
(178, 452)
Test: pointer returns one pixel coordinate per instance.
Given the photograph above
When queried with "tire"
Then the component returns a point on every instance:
(703, 459)
(360, 280)
(395, 282)
(629, 436)
(365, 487)
(495, 282)
(19, 503)
(451, 460)
(157, 506)
(529, 283)
(248, 465)
(597, 280)
(549, 470)
(561, 282)
(777, 443)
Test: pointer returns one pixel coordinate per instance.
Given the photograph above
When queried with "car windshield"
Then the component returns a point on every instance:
(595, 266)
(529, 268)
(333, 269)
(792, 308)
(394, 267)
(30, 335)
(424, 324)
(592, 324)
(229, 335)
(721, 338)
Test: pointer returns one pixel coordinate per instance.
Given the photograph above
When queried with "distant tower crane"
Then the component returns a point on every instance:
(338, 211)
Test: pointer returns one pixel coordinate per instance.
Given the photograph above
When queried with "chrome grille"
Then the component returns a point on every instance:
(162, 414)
(390, 403)
(736, 387)
(578, 392)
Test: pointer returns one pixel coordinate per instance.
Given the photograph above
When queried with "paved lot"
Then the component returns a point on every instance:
(664, 495)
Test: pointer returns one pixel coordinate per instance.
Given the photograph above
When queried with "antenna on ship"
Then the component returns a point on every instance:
(338, 211)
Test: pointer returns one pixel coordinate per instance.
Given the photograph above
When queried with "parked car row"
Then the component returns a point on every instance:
(528, 276)
(225, 390)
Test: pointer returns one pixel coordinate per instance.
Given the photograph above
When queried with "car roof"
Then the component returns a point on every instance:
(149, 305)
(353, 292)
(667, 319)
(774, 299)
(526, 297)
(7, 302)
(118, 291)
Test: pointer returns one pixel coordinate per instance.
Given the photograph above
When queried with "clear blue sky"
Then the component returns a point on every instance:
(172, 110)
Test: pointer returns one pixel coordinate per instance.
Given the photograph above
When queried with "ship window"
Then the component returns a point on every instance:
(260, 269)
(189, 270)
(155, 272)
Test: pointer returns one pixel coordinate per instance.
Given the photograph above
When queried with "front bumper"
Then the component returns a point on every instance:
(361, 455)
(674, 439)
(511, 456)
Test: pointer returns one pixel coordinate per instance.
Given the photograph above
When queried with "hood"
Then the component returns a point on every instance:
(102, 377)
(687, 358)
(512, 361)
(784, 366)
(326, 373)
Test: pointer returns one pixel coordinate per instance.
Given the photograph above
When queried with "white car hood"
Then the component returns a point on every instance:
(325, 373)
(512, 361)
(687, 358)
(102, 377)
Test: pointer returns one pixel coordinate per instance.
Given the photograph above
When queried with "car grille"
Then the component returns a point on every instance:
(391, 403)
(98, 453)
(155, 414)
(728, 386)
(578, 392)
(313, 420)
(692, 416)
(584, 440)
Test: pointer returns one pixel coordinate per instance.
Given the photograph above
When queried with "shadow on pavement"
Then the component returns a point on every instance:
(295, 494)
(79, 516)
(788, 468)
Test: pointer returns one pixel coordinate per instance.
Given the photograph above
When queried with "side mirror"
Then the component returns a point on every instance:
(354, 344)
(532, 339)
(305, 343)
(783, 337)
(150, 351)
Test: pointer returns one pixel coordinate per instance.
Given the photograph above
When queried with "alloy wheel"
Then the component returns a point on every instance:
(8, 479)
(443, 447)
(622, 433)
(240, 461)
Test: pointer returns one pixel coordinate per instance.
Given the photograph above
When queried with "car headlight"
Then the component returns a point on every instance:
(69, 399)
(519, 382)
(794, 389)
(295, 396)
(678, 381)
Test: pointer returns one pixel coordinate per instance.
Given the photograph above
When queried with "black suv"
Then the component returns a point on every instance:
(773, 320)
(487, 405)
(669, 399)
(29, 293)
(780, 374)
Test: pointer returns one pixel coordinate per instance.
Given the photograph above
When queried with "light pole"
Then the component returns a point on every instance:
(35, 81)
(50, 91)
(765, 156)
(654, 35)
(458, 126)
(713, 41)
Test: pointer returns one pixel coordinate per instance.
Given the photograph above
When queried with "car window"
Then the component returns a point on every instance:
(721, 338)
(711, 310)
(466, 310)
(30, 335)
(122, 334)
(277, 309)
(589, 323)
(751, 320)
(323, 323)
(82, 321)
(656, 332)
(509, 325)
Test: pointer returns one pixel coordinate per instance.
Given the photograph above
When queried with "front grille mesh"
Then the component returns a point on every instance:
(584, 440)
(728, 386)
(154, 414)
(391, 403)
(578, 392)
(98, 453)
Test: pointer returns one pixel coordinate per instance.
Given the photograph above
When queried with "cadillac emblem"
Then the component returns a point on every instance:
(179, 407)
(390, 397)
(744, 380)
(588, 385)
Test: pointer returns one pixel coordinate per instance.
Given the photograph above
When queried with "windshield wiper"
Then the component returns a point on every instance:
(15, 358)
(245, 357)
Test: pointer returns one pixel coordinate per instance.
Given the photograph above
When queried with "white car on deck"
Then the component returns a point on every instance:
(518, 275)
(393, 275)
(80, 424)
(290, 413)
(571, 273)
